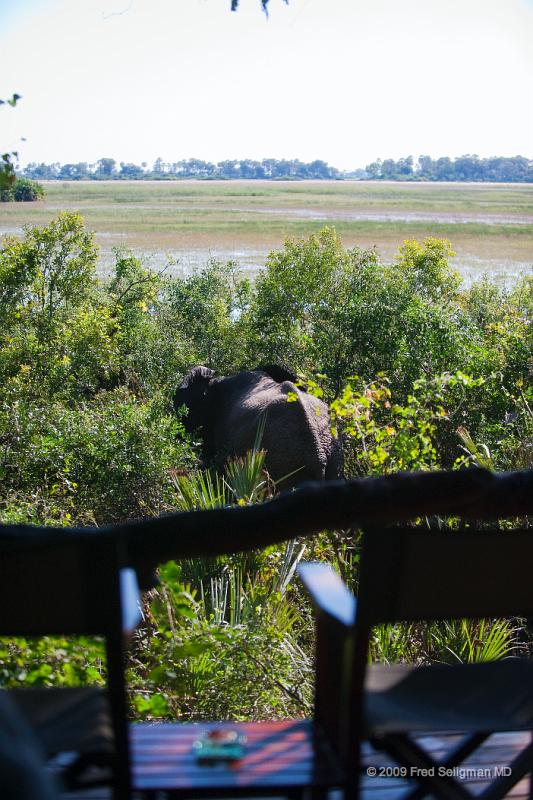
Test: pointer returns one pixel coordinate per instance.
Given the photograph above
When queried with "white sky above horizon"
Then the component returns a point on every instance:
(346, 81)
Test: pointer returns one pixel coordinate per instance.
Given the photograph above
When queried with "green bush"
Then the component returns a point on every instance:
(321, 308)
(21, 190)
(207, 311)
(106, 459)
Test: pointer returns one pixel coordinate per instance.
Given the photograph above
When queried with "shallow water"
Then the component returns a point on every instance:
(185, 262)
(390, 216)
(475, 255)
(325, 214)
(251, 261)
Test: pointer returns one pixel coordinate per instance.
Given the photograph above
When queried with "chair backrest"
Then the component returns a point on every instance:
(69, 586)
(72, 584)
(411, 574)
(416, 574)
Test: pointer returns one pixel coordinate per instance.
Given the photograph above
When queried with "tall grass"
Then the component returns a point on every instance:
(452, 641)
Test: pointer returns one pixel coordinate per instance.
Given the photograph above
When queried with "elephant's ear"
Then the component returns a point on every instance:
(192, 393)
(196, 376)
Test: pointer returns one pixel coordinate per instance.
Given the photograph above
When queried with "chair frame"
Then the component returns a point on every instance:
(78, 587)
(405, 577)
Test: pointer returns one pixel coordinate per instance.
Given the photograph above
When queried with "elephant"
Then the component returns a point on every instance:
(227, 412)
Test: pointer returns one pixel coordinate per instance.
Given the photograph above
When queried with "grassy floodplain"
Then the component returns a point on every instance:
(490, 225)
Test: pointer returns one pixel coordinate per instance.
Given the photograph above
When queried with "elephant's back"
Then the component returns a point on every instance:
(296, 429)
(304, 419)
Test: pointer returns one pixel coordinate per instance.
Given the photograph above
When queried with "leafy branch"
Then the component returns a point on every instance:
(7, 168)
(264, 4)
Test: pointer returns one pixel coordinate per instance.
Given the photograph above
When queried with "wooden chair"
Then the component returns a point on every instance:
(78, 588)
(75, 588)
(410, 574)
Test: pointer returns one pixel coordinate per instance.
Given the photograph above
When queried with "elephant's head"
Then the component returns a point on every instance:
(192, 393)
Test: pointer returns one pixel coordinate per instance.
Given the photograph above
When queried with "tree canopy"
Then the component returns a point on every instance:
(514, 169)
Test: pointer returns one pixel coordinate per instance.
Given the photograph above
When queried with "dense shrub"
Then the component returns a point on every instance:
(207, 311)
(22, 190)
(80, 443)
(102, 460)
(340, 312)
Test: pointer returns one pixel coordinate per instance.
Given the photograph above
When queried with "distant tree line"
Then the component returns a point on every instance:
(109, 169)
(516, 169)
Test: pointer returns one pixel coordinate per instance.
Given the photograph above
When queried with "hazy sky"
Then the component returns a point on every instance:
(343, 80)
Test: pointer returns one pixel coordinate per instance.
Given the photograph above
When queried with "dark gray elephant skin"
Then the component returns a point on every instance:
(227, 412)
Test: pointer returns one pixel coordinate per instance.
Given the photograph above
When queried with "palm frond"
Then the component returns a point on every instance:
(480, 455)
(202, 489)
(245, 476)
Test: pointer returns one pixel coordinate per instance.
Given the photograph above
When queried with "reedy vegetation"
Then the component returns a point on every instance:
(419, 374)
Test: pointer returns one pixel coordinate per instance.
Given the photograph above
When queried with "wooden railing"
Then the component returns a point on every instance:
(469, 494)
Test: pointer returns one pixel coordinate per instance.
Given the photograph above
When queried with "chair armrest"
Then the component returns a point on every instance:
(130, 600)
(328, 593)
(335, 608)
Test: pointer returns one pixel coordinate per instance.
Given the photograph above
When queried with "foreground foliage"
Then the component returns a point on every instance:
(419, 374)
